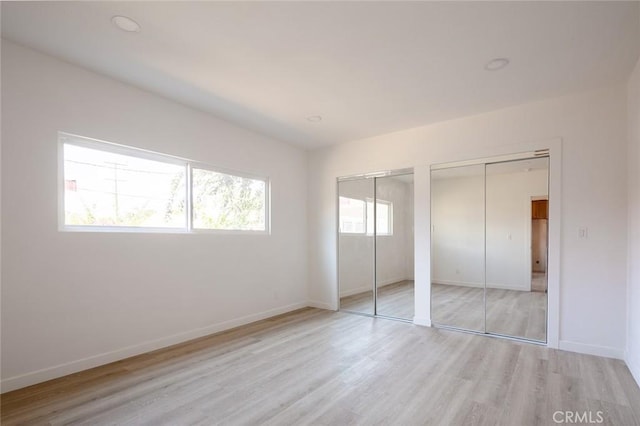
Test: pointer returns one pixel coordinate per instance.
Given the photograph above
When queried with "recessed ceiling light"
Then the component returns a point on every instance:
(314, 118)
(126, 24)
(496, 64)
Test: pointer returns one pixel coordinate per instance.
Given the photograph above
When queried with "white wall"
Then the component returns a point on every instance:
(508, 213)
(633, 289)
(72, 300)
(457, 236)
(409, 240)
(592, 126)
(393, 251)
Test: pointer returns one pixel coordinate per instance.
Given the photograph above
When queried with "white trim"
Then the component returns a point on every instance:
(196, 231)
(364, 218)
(320, 305)
(632, 366)
(368, 287)
(554, 242)
(511, 151)
(457, 283)
(392, 281)
(389, 204)
(382, 173)
(61, 184)
(49, 373)
(115, 148)
(189, 198)
(224, 171)
(368, 201)
(356, 290)
(521, 155)
(123, 229)
(150, 230)
(189, 165)
(584, 348)
(481, 285)
(423, 321)
(267, 200)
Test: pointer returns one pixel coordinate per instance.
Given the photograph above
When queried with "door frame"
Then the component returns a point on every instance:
(423, 225)
(374, 176)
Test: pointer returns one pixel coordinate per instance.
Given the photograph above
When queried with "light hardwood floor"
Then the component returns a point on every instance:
(332, 368)
(539, 281)
(394, 300)
(509, 312)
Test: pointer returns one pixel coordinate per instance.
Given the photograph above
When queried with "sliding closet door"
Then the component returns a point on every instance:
(516, 220)
(394, 245)
(356, 246)
(457, 247)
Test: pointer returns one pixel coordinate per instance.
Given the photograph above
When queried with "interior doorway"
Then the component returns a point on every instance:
(539, 243)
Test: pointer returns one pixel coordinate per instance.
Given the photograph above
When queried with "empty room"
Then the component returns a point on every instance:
(320, 213)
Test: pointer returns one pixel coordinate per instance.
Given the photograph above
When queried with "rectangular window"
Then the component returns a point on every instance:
(107, 189)
(356, 216)
(112, 187)
(384, 217)
(353, 216)
(224, 201)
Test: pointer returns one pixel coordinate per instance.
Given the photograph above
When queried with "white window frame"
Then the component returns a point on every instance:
(114, 148)
(267, 200)
(367, 201)
(364, 217)
(390, 219)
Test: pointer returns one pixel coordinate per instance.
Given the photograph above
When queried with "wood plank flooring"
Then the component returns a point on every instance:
(509, 312)
(394, 300)
(332, 368)
(539, 281)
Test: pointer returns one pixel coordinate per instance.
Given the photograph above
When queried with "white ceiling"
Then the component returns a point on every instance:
(366, 68)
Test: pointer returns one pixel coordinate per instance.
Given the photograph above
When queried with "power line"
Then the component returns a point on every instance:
(123, 169)
(122, 195)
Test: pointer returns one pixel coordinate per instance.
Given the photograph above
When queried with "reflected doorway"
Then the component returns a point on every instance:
(539, 243)
(489, 275)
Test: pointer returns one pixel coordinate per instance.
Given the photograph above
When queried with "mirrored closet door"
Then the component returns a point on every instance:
(457, 247)
(516, 245)
(375, 245)
(489, 244)
(394, 246)
(355, 246)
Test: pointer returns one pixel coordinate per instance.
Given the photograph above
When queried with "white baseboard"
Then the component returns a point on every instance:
(393, 281)
(458, 283)
(480, 285)
(362, 289)
(356, 290)
(54, 372)
(320, 305)
(583, 348)
(423, 321)
(633, 366)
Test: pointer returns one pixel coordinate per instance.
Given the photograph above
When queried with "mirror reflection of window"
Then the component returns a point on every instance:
(352, 216)
(383, 215)
(356, 216)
